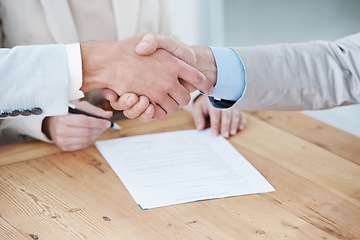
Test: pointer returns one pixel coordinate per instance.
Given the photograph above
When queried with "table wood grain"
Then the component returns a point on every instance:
(49, 194)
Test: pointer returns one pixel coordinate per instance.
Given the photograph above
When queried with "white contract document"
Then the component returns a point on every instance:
(178, 167)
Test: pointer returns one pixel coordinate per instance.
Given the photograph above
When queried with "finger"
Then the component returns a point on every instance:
(160, 114)
(225, 123)
(64, 142)
(168, 104)
(150, 42)
(199, 117)
(84, 140)
(69, 132)
(148, 114)
(110, 95)
(235, 122)
(72, 147)
(93, 137)
(87, 107)
(126, 101)
(215, 117)
(82, 121)
(187, 85)
(138, 108)
(195, 78)
(181, 95)
(242, 121)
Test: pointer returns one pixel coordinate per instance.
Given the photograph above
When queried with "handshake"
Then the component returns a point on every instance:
(147, 75)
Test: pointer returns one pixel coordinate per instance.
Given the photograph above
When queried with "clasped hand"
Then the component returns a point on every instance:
(159, 75)
(227, 122)
(173, 71)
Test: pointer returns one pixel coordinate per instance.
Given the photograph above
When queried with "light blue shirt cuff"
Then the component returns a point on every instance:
(230, 83)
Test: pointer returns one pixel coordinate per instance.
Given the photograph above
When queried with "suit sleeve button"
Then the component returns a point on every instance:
(4, 114)
(36, 111)
(14, 113)
(25, 112)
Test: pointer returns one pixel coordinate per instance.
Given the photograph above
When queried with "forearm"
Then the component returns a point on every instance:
(313, 75)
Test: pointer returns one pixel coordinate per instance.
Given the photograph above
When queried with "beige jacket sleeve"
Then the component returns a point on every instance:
(303, 76)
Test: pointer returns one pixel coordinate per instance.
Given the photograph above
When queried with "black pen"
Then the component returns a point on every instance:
(74, 110)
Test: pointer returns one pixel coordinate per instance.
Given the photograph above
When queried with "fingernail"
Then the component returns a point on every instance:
(214, 132)
(226, 134)
(242, 127)
(233, 132)
(198, 127)
(143, 46)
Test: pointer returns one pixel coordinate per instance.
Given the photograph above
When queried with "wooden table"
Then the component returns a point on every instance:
(49, 194)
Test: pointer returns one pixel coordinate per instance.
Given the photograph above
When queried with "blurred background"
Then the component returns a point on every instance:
(256, 22)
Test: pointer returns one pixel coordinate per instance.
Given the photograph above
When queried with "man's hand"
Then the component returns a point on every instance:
(200, 57)
(116, 66)
(225, 122)
(74, 131)
(133, 105)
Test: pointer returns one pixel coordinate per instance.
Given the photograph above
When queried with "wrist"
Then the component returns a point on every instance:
(45, 128)
(91, 66)
(205, 62)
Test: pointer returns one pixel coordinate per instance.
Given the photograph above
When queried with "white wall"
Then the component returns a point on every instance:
(199, 21)
(253, 22)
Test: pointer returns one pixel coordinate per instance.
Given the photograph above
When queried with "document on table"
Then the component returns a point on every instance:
(178, 167)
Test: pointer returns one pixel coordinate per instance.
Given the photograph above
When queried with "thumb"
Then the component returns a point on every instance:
(125, 102)
(110, 95)
(148, 45)
(151, 42)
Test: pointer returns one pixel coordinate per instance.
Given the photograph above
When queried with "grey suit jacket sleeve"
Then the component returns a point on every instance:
(303, 76)
(34, 77)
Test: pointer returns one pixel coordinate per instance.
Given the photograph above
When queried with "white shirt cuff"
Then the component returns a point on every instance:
(74, 70)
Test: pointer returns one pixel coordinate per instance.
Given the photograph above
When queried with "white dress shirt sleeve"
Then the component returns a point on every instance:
(74, 70)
